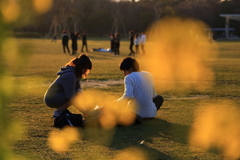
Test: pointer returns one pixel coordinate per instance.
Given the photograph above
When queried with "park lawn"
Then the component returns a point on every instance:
(164, 137)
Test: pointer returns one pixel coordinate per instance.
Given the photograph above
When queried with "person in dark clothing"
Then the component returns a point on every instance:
(84, 41)
(74, 38)
(65, 39)
(67, 85)
(117, 44)
(112, 43)
(54, 38)
(131, 38)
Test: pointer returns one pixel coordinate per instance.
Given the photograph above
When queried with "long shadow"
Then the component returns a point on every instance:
(136, 136)
(150, 129)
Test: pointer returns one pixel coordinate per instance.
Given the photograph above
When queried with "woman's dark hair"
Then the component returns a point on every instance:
(136, 35)
(129, 63)
(80, 63)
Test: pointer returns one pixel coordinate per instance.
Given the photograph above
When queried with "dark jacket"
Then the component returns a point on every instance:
(84, 38)
(63, 89)
(65, 39)
(131, 39)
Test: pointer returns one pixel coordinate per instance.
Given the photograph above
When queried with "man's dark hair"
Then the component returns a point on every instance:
(129, 63)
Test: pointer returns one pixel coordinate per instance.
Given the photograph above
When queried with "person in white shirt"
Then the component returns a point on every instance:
(137, 39)
(139, 87)
(142, 42)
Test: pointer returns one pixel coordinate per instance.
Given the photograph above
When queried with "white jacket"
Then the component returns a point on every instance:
(143, 39)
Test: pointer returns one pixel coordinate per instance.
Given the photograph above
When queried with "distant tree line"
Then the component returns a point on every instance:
(103, 17)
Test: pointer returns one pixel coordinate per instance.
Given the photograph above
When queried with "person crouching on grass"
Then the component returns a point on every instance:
(67, 84)
(139, 87)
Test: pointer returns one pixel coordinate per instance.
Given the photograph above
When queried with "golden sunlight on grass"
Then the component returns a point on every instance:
(10, 53)
(131, 153)
(15, 131)
(42, 6)
(60, 140)
(111, 113)
(217, 126)
(6, 85)
(177, 50)
(10, 10)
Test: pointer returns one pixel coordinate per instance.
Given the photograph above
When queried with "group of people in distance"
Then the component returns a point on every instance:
(139, 87)
(139, 39)
(74, 37)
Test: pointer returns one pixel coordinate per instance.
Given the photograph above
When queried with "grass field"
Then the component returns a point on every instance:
(165, 137)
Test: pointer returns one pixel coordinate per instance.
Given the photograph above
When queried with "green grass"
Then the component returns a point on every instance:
(165, 137)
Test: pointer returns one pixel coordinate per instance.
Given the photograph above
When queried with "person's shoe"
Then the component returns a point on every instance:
(56, 114)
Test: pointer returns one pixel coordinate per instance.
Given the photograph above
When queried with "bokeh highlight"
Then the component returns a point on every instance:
(216, 126)
(177, 51)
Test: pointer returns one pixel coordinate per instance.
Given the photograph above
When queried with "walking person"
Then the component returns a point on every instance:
(74, 38)
(65, 40)
(84, 41)
(66, 86)
(131, 38)
(142, 42)
(137, 39)
(117, 44)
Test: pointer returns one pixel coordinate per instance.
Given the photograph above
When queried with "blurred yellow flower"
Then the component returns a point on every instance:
(59, 140)
(42, 6)
(217, 126)
(10, 10)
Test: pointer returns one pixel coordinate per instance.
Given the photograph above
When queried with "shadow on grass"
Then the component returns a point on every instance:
(154, 128)
(152, 137)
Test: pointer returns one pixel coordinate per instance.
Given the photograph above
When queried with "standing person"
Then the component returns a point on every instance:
(65, 40)
(74, 38)
(137, 39)
(131, 38)
(112, 43)
(84, 41)
(139, 87)
(67, 84)
(142, 42)
(54, 39)
(117, 44)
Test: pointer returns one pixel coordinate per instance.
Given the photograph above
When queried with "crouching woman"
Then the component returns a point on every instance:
(67, 84)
